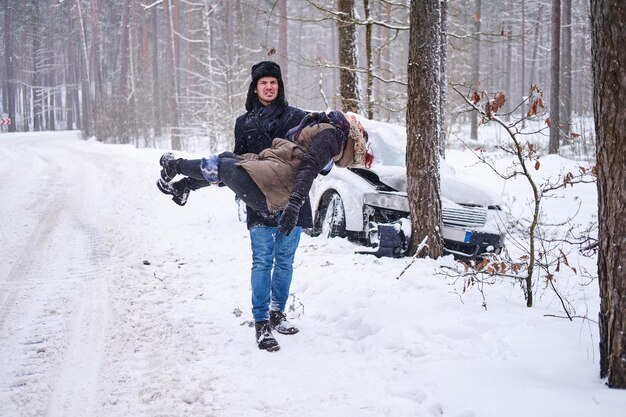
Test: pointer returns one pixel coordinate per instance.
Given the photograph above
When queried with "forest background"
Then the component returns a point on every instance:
(174, 73)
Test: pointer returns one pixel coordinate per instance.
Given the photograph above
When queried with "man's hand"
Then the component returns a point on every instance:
(289, 216)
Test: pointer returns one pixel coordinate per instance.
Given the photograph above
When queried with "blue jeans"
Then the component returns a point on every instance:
(272, 268)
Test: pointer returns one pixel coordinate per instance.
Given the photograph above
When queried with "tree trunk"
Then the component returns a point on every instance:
(85, 82)
(555, 77)
(10, 69)
(370, 61)
(423, 185)
(69, 111)
(283, 44)
(524, 89)
(95, 68)
(609, 102)
(156, 96)
(175, 18)
(50, 71)
(443, 83)
(36, 72)
(536, 42)
(76, 77)
(121, 114)
(231, 18)
(171, 75)
(349, 82)
(509, 59)
(476, 65)
(566, 73)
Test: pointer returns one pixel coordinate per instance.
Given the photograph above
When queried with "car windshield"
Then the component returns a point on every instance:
(387, 142)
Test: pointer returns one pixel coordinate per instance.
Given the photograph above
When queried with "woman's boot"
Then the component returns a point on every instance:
(179, 190)
(168, 162)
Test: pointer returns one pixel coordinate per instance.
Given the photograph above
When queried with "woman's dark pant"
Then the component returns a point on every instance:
(233, 176)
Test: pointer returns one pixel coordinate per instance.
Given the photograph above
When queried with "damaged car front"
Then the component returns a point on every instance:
(371, 205)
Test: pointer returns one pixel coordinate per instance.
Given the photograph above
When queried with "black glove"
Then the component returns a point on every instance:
(289, 216)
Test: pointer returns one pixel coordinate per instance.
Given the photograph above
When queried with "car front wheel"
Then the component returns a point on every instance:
(331, 219)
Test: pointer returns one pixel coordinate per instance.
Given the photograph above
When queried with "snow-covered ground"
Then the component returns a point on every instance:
(114, 301)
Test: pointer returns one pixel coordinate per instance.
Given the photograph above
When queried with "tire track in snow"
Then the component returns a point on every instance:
(54, 302)
(75, 388)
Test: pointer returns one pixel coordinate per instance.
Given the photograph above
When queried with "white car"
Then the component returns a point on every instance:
(356, 203)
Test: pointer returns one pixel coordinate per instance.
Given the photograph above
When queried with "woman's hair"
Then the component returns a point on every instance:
(362, 153)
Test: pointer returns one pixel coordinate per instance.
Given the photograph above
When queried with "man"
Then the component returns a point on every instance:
(269, 116)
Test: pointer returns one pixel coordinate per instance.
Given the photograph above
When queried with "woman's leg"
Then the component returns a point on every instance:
(223, 169)
(237, 179)
(189, 168)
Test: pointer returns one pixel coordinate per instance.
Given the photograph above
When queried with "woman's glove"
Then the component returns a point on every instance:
(289, 216)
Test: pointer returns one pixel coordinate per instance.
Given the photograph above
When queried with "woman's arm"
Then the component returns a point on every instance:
(323, 149)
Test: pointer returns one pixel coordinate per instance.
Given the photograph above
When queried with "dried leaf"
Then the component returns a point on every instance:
(567, 179)
(534, 108)
(488, 111)
(482, 264)
(537, 165)
(574, 135)
(498, 101)
(564, 257)
(475, 98)
(548, 122)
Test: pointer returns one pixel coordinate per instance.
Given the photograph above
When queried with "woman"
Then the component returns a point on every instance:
(279, 178)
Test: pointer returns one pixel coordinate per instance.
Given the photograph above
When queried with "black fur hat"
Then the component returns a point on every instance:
(265, 69)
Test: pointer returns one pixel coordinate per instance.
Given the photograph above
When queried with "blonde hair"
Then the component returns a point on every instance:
(360, 145)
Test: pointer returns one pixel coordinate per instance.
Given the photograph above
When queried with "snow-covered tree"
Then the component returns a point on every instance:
(423, 127)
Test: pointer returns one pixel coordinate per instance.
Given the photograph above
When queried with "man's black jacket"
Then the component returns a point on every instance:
(254, 131)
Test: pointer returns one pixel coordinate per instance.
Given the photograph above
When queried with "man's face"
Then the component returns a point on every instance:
(267, 90)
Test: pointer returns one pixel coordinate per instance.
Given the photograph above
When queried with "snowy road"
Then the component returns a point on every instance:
(53, 303)
(115, 302)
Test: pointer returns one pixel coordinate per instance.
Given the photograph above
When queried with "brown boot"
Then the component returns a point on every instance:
(264, 338)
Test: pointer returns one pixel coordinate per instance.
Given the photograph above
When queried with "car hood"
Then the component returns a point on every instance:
(452, 188)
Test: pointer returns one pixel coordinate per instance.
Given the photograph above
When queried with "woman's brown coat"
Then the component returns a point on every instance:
(274, 170)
